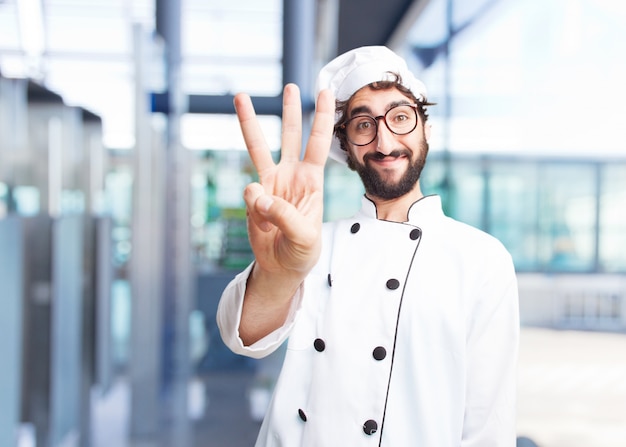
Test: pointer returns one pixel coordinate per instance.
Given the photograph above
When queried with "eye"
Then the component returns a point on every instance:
(399, 116)
(361, 124)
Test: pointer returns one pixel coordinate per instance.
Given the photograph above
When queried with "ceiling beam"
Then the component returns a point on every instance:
(374, 22)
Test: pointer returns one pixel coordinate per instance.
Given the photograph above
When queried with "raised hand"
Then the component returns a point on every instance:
(285, 208)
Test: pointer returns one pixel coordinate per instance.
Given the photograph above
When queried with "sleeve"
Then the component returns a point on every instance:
(492, 351)
(229, 316)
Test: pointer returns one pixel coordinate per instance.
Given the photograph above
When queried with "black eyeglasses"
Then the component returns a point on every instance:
(361, 130)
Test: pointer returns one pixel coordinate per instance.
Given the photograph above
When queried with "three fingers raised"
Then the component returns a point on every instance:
(320, 138)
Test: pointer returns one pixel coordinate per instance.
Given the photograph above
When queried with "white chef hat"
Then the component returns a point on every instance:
(353, 70)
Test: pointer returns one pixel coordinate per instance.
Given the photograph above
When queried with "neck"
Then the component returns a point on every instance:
(396, 210)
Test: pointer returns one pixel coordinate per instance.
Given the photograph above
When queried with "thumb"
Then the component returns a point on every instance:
(257, 205)
(287, 218)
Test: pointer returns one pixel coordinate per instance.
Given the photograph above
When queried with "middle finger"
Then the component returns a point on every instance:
(292, 124)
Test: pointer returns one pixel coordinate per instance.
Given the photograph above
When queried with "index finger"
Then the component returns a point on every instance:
(318, 146)
(252, 134)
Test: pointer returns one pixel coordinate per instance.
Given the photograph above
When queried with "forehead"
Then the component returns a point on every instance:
(377, 100)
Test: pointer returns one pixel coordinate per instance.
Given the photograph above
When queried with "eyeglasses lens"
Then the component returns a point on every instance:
(362, 130)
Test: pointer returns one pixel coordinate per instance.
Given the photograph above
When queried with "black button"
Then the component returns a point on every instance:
(302, 414)
(393, 284)
(370, 427)
(330, 281)
(355, 228)
(379, 353)
(319, 345)
(415, 234)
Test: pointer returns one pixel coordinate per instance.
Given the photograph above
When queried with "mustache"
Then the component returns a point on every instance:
(380, 156)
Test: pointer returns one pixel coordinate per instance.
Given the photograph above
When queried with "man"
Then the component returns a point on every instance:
(402, 324)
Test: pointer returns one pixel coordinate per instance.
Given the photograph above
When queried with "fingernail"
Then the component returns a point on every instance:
(265, 226)
(264, 203)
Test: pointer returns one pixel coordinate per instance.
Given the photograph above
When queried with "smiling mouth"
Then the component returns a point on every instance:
(379, 157)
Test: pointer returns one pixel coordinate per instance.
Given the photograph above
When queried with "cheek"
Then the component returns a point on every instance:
(356, 153)
(416, 139)
(355, 157)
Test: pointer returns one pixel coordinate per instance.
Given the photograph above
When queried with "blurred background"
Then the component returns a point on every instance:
(121, 216)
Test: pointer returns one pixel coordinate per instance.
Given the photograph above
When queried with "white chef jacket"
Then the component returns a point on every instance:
(403, 334)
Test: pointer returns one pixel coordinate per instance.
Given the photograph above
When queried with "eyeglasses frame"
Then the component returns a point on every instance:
(376, 119)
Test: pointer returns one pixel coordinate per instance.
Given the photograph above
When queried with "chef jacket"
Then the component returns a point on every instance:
(403, 334)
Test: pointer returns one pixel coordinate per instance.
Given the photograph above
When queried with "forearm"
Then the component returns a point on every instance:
(267, 302)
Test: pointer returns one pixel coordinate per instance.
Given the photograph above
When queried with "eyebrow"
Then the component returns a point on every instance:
(365, 110)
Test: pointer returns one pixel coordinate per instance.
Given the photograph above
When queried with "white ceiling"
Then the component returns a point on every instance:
(87, 54)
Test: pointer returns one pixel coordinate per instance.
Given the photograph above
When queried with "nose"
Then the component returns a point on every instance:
(385, 139)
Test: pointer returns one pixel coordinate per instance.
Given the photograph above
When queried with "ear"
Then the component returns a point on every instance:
(427, 128)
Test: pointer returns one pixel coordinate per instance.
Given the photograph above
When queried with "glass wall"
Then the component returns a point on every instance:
(552, 215)
(612, 225)
(513, 208)
(566, 217)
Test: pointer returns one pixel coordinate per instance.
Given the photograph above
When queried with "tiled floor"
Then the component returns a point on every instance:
(572, 388)
(225, 422)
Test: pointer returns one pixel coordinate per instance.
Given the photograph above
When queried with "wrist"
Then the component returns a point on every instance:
(272, 285)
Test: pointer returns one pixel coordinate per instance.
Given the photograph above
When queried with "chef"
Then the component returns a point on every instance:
(401, 323)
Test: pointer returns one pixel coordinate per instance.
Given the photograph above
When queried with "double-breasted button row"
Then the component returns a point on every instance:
(369, 427)
(391, 284)
(379, 352)
(414, 235)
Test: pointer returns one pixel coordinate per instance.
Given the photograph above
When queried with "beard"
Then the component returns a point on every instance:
(376, 185)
